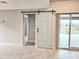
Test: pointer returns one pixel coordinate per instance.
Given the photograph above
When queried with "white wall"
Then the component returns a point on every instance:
(21, 28)
(9, 29)
(65, 6)
(24, 4)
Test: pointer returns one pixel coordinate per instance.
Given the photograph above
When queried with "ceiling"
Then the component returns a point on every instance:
(64, 0)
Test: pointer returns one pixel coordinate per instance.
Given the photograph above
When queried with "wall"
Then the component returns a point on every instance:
(65, 6)
(9, 29)
(21, 28)
(24, 4)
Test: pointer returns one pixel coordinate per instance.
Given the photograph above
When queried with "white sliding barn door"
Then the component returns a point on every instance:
(44, 30)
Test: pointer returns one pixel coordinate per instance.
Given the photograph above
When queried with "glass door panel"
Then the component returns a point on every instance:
(64, 31)
(69, 31)
(74, 41)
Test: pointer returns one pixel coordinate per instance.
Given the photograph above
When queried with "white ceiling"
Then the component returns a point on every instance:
(64, 0)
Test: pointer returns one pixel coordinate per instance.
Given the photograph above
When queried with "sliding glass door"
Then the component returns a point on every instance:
(74, 42)
(64, 31)
(69, 31)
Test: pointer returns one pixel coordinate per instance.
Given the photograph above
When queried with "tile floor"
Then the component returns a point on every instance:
(30, 52)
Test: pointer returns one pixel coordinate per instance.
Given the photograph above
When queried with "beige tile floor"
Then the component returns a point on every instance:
(30, 52)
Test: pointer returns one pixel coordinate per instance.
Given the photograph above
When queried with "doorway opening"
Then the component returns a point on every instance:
(69, 31)
(29, 29)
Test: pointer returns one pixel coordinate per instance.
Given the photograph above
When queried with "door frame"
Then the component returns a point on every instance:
(58, 31)
(35, 27)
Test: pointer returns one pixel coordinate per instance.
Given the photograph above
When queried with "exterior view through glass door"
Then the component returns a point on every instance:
(74, 42)
(69, 31)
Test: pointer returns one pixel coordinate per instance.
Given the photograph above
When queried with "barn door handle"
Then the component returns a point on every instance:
(37, 29)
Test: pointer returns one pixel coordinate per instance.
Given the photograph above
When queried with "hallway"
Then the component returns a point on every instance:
(30, 52)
